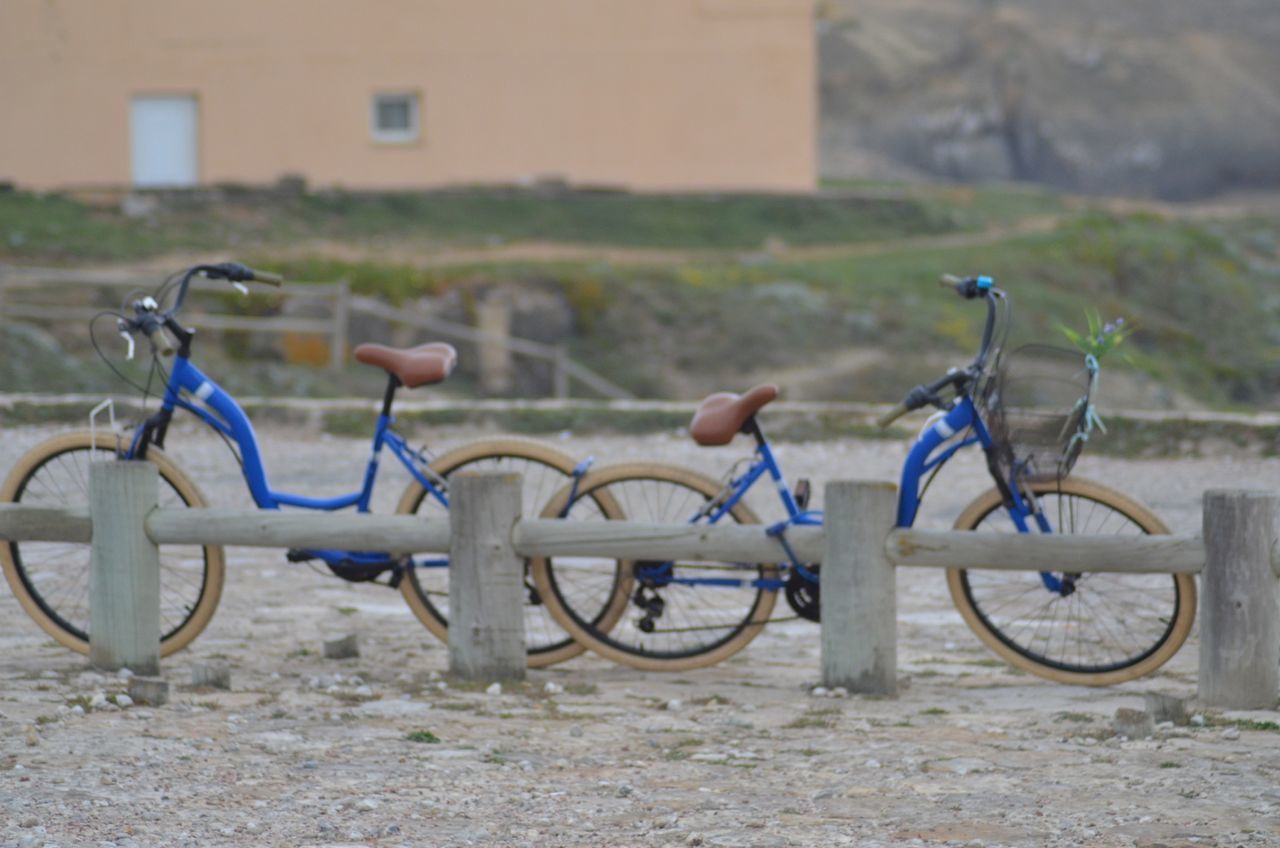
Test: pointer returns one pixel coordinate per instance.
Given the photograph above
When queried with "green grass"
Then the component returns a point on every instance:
(1213, 720)
(423, 736)
(57, 227)
(814, 717)
(633, 220)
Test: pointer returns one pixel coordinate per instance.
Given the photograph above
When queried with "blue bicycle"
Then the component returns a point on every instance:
(51, 580)
(1031, 414)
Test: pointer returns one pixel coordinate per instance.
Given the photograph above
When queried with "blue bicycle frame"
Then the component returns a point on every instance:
(717, 508)
(215, 407)
(934, 446)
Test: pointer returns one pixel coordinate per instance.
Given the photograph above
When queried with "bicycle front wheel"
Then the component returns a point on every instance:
(1093, 628)
(662, 616)
(425, 587)
(51, 579)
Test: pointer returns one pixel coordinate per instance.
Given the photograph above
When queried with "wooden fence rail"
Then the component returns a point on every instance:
(336, 327)
(859, 549)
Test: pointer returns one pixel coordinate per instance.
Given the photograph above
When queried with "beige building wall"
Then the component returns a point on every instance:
(647, 94)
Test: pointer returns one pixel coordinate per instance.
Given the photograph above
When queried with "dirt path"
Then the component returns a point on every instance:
(413, 252)
(307, 751)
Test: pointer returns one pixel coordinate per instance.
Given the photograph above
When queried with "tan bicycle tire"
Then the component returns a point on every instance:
(1185, 585)
(444, 465)
(215, 557)
(608, 475)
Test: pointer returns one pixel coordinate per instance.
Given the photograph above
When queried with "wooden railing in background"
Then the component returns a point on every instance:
(336, 328)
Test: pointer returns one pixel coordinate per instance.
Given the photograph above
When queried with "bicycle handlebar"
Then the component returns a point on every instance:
(268, 278)
(160, 339)
(149, 320)
(235, 272)
(969, 288)
(923, 395)
(892, 415)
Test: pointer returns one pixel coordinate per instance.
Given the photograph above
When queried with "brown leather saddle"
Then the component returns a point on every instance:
(412, 366)
(723, 415)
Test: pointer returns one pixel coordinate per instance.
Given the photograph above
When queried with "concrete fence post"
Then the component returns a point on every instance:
(486, 578)
(859, 589)
(124, 568)
(1239, 601)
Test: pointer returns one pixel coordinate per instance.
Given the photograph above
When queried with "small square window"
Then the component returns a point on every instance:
(395, 118)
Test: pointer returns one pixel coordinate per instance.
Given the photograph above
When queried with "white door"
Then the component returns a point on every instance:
(164, 133)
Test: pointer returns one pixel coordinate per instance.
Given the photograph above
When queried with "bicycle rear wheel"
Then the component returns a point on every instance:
(543, 470)
(51, 579)
(1093, 628)
(663, 616)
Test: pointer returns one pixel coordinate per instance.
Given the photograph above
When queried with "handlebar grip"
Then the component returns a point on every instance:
(950, 281)
(268, 278)
(892, 415)
(160, 339)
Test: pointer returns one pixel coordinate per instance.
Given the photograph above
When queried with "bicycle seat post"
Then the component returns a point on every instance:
(393, 383)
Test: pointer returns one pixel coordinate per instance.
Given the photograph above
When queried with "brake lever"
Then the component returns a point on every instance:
(123, 330)
(242, 288)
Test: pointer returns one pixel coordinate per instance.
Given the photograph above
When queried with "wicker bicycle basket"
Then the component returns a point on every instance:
(1037, 410)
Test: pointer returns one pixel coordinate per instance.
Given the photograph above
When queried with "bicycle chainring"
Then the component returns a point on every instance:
(364, 572)
(804, 594)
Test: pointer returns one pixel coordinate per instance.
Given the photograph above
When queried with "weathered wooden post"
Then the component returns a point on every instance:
(859, 589)
(1239, 601)
(341, 320)
(486, 578)
(560, 371)
(124, 568)
(493, 319)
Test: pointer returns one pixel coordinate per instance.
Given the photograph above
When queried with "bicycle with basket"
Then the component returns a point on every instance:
(1030, 411)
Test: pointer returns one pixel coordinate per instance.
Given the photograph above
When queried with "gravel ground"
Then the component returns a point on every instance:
(381, 750)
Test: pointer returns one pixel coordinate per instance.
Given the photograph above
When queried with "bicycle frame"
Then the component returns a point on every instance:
(717, 508)
(924, 457)
(221, 412)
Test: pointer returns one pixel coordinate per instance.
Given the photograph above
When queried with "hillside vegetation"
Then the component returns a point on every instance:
(833, 296)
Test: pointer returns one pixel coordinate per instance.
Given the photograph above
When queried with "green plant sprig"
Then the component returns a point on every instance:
(1101, 338)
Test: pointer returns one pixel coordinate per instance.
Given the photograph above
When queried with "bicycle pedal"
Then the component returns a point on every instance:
(397, 571)
(299, 555)
(802, 493)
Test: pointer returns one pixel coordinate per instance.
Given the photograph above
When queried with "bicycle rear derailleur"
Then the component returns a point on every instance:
(647, 599)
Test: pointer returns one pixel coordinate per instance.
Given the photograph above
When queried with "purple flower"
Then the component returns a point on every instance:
(1119, 322)
(1109, 329)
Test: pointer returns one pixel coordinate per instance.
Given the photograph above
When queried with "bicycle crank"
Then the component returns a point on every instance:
(804, 593)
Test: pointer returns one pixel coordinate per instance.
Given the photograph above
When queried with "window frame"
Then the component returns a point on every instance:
(411, 135)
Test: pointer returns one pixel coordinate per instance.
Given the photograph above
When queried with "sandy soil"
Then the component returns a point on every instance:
(307, 751)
